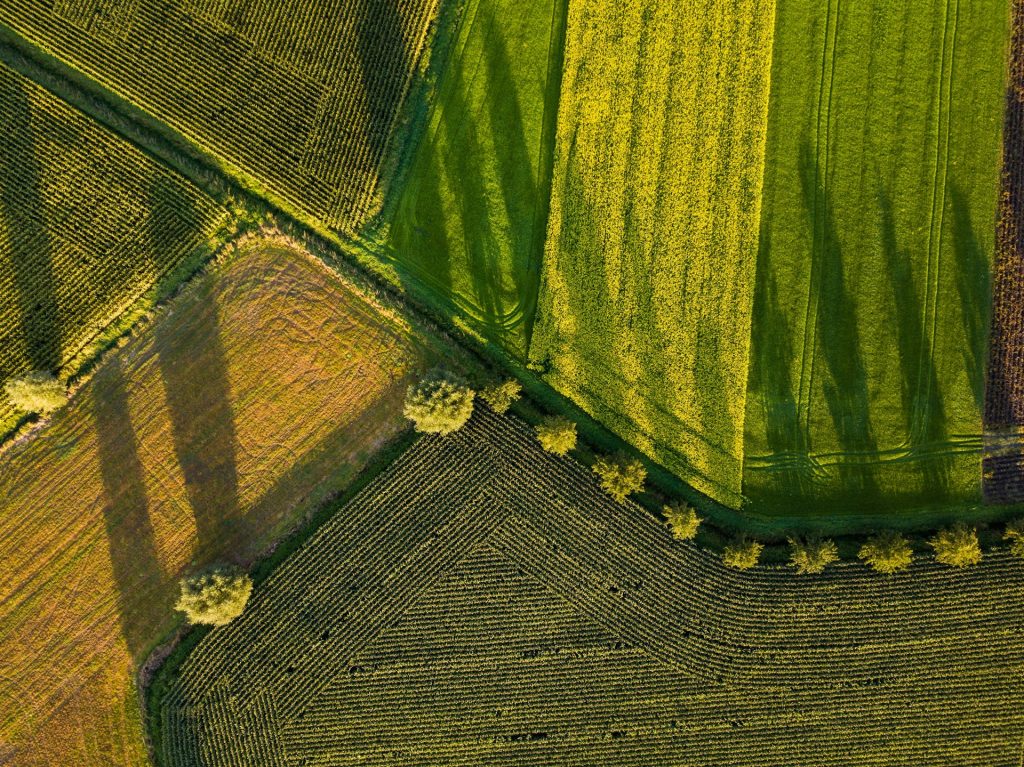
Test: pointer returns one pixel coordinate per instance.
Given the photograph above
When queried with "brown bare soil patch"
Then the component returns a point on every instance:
(256, 393)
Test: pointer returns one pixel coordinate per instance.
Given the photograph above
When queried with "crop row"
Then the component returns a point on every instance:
(445, 612)
(88, 223)
(302, 102)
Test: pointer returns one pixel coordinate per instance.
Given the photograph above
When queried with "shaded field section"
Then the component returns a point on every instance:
(76, 207)
(870, 325)
(441, 616)
(1004, 391)
(470, 221)
(301, 100)
(648, 274)
(259, 391)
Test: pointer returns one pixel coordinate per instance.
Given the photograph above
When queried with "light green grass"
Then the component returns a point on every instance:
(648, 274)
(470, 220)
(878, 218)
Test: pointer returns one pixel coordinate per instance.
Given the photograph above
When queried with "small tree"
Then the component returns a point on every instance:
(683, 521)
(887, 552)
(439, 404)
(956, 546)
(37, 392)
(812, 555)
(556, 434)
(501, 396)
(216, 597)
(1015, 535)
(743, 553)
(620, 475)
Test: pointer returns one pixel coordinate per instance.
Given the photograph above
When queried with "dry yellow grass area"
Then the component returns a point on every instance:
(257, 392)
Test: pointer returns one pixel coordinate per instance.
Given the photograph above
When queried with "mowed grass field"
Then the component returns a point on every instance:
(88, 225)
(253, 395)
(484, 602)
(470, 219)
(299, 99)
(871, 316)
(649, 268)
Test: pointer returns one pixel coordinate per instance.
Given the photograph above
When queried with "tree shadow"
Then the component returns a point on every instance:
(923, 404)
(23, 208)
(130, 537)
(193, 367)
(974, 285)
(838, 337)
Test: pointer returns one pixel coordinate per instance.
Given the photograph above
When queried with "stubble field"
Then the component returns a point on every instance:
(259, 391)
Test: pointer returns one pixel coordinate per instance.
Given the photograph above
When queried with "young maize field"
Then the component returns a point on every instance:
(648, 273)
(88, 224)
(483, 602)
(207, 437)
(870, 329)
(300, 99)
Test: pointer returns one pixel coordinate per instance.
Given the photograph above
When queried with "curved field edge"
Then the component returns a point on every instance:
(190, 444)
(582, 593)
(870, 326)
(648, 272)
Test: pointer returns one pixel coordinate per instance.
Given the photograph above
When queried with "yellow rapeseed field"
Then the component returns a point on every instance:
(644, 311)
(256, 393)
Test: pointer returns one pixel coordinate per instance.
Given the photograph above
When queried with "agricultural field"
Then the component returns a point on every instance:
(649, 266)
(1003, 475)
(482, 601)
(88, 225)
(470, 220)
(871, 314)
(255, 394)
(303, 103)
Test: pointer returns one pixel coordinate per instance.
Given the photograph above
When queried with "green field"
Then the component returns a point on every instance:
(483, 602)
(301, 104)
(869, 334)
(88, 224)
(648, 274)
(469, 222)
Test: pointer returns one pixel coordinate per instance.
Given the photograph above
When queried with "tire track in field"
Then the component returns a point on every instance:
(944, 97)
(818, 213)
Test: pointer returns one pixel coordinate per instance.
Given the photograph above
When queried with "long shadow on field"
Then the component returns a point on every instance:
(23, 217)
(838, 339)
(922, 397)
(385, 61)
(130, 538)
(194, 371)
(974, 285)
(771, 381)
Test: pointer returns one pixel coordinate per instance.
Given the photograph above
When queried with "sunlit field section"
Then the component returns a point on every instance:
(470, 220)
(300, 97)
(482, 602)
(871, 316)
(88, 224)
(261, 389)
(648, 271)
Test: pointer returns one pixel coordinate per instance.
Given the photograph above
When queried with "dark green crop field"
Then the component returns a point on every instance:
(483, 602)
(871, 313)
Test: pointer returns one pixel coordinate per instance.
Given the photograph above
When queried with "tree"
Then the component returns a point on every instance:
(620, 475)
(812, 555)
(439, 404)
(556, 434)
(887, 552)
(1015, 535)
(743, 553)
(683, 521)
(501, 396)
(956, 546)
(37, 392)
(215, 597)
